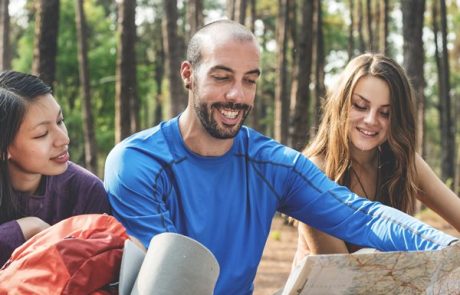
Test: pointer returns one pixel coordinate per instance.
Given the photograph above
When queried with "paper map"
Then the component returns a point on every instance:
(424, 272)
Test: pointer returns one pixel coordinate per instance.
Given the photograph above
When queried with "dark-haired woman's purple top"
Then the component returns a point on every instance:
(76, 191)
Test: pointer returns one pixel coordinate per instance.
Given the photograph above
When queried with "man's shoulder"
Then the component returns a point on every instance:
(143, 137)
(139, 159)
(147, 150)
(263, 148)
(148, 143)
(254, 139)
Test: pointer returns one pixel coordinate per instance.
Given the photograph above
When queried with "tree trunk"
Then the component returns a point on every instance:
(231, 7)
(414, 59)
(264, 100)
(376, 18)
(126, 101)
(255, 116)
(370, 34)
(362, 43)
(281, 86)
(159, 76)
(383, 32)
(446, 126)
(300, 120)
(194, 16)
(351, 28)
(5, 58)
(320, 88)
(456, 184)
(448, 163)
(294, 44)
(88, 122)
(172, 45)
(252, 9)
(240, 11)
(46, 34)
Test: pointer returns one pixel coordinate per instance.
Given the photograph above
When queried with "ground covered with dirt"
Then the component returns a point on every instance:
(276, 261)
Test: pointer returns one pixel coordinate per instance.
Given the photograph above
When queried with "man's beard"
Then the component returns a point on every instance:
(205, 115)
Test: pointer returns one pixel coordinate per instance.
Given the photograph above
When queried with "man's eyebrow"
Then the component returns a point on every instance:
(221, 68)
(254, 72)
(227, 69)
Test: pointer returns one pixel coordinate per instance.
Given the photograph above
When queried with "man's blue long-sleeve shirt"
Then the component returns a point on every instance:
(156, 184)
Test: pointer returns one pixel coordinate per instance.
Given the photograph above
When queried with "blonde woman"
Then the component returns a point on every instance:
(366, 141)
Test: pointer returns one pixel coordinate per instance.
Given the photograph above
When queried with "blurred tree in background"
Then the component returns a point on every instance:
(304, 45)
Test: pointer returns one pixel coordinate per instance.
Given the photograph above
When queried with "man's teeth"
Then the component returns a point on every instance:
(229, 114)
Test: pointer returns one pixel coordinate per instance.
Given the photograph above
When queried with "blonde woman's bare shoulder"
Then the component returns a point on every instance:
(318, 161)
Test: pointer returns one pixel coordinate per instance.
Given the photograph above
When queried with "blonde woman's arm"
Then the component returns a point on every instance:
(436, 195)
(312, 241)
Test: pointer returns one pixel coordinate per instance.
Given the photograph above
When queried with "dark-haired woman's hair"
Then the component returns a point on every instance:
(16, 91)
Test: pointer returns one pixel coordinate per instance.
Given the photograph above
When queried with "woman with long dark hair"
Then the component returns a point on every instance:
(39, 186)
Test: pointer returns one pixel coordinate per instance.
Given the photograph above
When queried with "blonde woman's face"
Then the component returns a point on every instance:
(369, 116)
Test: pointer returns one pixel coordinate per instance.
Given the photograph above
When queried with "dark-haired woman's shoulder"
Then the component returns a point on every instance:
(84, 189)
(79, 170)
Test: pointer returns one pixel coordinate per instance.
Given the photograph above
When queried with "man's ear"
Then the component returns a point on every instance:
(186, 74)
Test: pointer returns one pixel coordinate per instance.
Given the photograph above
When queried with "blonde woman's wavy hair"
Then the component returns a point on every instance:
(396, 184)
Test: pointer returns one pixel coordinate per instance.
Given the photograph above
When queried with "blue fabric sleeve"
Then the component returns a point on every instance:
(134, 184)
(321, 203)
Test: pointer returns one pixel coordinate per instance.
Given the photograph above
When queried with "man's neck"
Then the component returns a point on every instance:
(198, 140)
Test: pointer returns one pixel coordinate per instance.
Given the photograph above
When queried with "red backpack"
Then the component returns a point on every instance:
(79, 255)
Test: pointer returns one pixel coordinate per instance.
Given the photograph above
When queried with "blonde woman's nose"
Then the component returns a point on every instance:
(371, 117)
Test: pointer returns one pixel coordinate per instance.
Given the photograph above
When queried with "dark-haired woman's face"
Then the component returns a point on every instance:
(369, 116)
(41, 145)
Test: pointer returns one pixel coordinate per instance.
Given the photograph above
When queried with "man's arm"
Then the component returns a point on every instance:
(314, 199)
(136, 188)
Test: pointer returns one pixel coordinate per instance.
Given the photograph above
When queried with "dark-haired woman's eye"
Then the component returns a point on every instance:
(41, 135)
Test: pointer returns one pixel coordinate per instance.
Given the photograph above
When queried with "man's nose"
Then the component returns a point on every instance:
(235, 93)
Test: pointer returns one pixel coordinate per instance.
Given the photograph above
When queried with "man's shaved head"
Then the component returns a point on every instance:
(214, 31)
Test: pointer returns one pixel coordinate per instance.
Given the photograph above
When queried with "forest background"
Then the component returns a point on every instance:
(114, 65)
